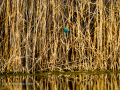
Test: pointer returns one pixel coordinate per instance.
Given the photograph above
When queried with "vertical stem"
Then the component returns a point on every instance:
(100, 33)
(27, 42)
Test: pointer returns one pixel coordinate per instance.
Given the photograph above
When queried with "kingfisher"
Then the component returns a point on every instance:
(65, 30)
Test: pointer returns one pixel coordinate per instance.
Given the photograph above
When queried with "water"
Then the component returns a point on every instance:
(70, 81)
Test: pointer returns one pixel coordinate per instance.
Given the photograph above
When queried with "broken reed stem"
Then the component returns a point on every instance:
(32, 37)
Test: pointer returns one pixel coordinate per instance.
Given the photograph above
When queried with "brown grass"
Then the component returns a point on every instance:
(32, 37)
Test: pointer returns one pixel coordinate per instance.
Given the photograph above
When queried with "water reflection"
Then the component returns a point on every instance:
(61, 82)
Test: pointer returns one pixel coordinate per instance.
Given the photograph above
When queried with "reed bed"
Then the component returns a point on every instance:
(32, 37)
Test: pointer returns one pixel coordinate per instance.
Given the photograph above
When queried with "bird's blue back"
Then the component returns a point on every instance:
(66, 30)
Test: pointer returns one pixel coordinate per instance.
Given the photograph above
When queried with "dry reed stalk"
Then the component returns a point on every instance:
(118, 38)
(100, 33)
(6, 34)
(111, 35)
(34, 36)
(27, 38)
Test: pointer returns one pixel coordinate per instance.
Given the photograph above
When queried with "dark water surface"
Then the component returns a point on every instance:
(71, 81)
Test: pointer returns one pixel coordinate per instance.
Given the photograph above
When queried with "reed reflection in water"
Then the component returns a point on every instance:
(61, 82)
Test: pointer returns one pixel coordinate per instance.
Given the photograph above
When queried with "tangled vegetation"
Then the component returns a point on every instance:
(32, 37)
